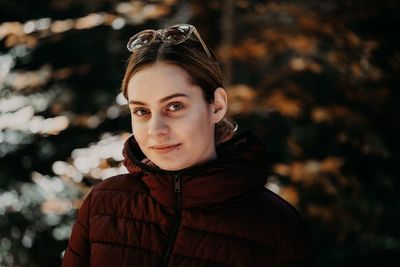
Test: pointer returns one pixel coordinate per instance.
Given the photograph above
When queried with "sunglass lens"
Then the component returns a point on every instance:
(140, 40)
(176, 34)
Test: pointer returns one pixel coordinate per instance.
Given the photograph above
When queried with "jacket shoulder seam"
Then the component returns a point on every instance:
(290, 207)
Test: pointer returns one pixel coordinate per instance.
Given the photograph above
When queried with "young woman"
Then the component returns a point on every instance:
(194, 194)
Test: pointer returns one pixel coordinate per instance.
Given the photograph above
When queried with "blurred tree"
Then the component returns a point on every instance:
(317, 80)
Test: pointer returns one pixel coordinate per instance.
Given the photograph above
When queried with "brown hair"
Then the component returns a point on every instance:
(204, 71)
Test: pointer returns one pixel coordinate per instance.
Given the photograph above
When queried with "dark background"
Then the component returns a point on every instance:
(317, 80)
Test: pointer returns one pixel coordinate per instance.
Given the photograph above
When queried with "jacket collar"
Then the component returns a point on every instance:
(240, 167)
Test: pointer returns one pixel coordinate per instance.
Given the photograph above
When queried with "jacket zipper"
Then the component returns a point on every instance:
(177, 221)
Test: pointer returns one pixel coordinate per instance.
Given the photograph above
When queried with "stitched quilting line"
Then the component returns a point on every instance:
(126, 246)
(81, 225)
(229, 236)
(128, 218)
(76, 253)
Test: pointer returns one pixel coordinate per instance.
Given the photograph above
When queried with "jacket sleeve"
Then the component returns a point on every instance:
(296, 247)
(78, 252)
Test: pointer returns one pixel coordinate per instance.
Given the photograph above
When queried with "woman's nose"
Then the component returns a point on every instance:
(158, 126)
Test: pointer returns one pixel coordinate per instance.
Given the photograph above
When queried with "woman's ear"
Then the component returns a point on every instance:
(220, 105)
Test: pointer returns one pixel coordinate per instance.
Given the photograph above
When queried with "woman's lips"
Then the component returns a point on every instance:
(164, 149)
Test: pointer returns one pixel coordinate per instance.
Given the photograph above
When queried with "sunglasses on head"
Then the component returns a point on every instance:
(172, 35)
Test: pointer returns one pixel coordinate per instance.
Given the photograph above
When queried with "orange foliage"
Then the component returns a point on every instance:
(249, 48)
(241, 98)
(286, 106)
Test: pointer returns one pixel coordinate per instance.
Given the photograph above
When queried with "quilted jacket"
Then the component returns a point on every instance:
(215, 214)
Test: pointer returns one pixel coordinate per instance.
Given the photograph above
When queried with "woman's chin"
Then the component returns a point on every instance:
(171, 167)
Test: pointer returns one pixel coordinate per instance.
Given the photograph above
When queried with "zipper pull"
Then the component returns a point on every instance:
(177, 183)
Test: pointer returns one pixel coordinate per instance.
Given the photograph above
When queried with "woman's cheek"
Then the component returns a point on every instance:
(138, 130)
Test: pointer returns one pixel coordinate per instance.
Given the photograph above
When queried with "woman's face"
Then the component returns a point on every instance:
(171, 121)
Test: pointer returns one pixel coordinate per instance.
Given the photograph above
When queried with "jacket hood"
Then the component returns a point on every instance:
(239, 168)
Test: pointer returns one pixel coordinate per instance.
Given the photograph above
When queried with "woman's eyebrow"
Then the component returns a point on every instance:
(162, 100)
(171, 96)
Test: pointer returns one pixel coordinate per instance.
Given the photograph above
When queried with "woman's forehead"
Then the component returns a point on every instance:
(159, 81)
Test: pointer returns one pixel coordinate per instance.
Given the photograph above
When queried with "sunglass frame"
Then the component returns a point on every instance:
(161, 33)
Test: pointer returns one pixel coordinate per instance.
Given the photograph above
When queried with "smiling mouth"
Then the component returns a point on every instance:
(164, 149)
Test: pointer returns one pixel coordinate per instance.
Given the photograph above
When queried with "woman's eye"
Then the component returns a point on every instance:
(175, 106)
(140, 112)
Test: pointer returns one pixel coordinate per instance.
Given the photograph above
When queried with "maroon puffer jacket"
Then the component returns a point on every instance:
(215, 214)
